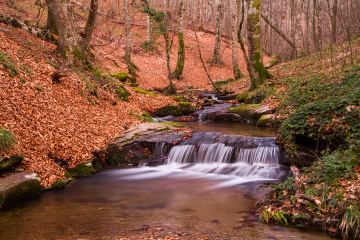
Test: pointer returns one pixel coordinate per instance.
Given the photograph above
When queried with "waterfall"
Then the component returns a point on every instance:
(217, 158)
(160, 148)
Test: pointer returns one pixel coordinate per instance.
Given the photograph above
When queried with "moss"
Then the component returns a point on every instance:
(242, 97)
(181, 57)
(58, 184)
(169, 90)
(168, 110)
(19, 192)
(181, 99)
(9, 162)
(187, 108)
(122, 93)
(246, 110)
(122, 76)
(144, 92)
(176, 125)
(82, 170)
(237, 73)
(265, 120)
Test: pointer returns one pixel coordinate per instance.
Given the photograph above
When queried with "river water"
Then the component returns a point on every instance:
(188, 198)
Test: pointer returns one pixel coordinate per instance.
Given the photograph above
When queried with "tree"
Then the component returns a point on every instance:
(127, 56)
(71, 42)
(162, 21)
(258, 73)
(217, 56)
(235, 20)
(181, 51)
(148, 28)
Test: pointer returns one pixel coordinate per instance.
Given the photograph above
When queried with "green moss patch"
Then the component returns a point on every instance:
(242, 97)
(82, 170)
(187, 108)
(181, 99)
(138, 90)
(122, 76)
(168, 110)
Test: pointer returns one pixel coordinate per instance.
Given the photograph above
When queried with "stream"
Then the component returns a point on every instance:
(205, 190)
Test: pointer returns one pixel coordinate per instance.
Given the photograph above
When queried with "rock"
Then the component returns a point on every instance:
(228, 97)
(266, 120)
(228, 117)
(187, 108)
(18, 187)
(251, 111)
(82, 170)
(8, 162)
(242, 97)
(181, 99)
(122, 76)
(168, 110)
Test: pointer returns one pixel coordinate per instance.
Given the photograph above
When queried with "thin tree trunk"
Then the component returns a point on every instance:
(90, 25)
(241, 42)
(315, 39)
(217, 55)
(127, 56)
(235, 59)
(181, 51)
(298, 29)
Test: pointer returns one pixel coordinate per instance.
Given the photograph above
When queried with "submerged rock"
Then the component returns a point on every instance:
(82, 170)
(18, 187)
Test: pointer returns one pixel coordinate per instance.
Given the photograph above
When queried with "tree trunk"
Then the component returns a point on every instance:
(148, 28)
(127, 56)
(72, 45)
(235, 20)
(315, 39)
(258, 73)
(181, 51)
(298, 29)
(50, 24)
(217, 56)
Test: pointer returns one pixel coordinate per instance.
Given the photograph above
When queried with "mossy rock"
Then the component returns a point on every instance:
(265, 120)
(251, 111)
(168, 110)
(187, 108)
(59, 184)
(138, 90)
(82, 170)
(242, 97)
(122, 76)
(273, 61)
(17, 188)
(229, 97)
(181, 99)
(8, 162)
(125, 155)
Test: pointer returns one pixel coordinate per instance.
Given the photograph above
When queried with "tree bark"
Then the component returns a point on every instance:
(217, 56)
(235, 59)
(127, 56)
(72, 45)
(148, 28)
(258, 73)
(298, 29)
(181, 51)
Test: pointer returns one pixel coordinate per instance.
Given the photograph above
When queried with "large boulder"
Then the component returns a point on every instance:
(187, 108)
(251, 111)
(18, 187)
(8, 162)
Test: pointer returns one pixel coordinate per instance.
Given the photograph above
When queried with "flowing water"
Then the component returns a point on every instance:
(205, 189)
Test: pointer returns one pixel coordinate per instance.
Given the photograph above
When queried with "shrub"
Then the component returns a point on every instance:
(7, 140)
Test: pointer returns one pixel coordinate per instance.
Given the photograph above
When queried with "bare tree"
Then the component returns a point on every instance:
(235, 20)
(127, 56)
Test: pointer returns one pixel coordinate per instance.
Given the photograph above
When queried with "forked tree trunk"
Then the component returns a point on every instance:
(71, 43)
(258, 73)
(181, 51)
